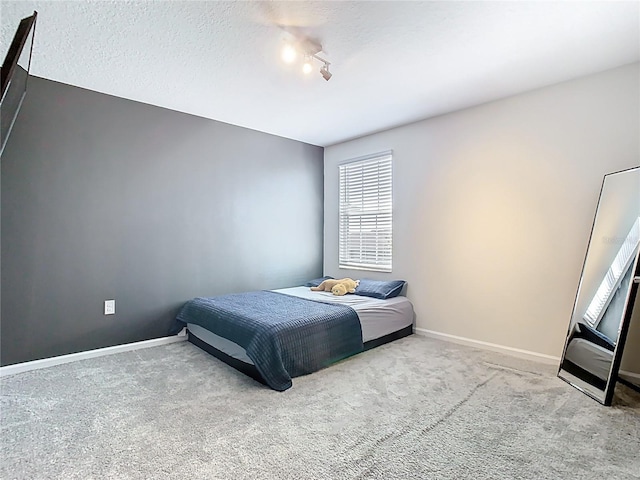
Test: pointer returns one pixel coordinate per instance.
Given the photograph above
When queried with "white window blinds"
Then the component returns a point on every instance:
(366, 214)
(621, 263)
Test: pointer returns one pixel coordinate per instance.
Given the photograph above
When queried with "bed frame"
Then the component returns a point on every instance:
(251, 371)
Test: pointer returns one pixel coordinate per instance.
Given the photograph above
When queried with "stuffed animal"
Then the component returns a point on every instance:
(339, 289)
(337, 286)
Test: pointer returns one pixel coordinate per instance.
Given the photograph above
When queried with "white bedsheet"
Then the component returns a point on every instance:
(593, 358)
(377, 318)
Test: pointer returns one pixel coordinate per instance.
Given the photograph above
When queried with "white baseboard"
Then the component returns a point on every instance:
(516, 352)
(630, 376)
(73, 357)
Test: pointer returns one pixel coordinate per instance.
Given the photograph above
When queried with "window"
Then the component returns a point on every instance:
(365, 213)
(611, 282)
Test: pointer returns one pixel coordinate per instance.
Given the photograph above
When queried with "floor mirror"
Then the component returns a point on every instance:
(607, 290)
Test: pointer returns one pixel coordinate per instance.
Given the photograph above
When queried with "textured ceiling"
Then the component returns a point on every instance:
(392, 62)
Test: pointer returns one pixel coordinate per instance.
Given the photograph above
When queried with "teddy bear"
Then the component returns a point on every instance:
(337, 286)
(340, 289)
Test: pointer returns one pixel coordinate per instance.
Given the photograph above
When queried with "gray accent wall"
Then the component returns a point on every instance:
(106, 198)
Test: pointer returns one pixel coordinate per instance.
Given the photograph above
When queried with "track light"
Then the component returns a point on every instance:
(306, 66)
(309, 50)
(324, 71)
(289, 53)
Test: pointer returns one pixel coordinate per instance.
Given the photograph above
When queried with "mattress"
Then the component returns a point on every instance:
(377, 318)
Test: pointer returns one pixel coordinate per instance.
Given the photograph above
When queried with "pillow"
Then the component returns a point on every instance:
(380, 288)
(317, 281)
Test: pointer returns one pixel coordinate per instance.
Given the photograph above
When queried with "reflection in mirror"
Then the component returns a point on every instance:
(606, 291)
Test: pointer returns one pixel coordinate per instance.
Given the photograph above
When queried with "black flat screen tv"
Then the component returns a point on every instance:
(14, 76)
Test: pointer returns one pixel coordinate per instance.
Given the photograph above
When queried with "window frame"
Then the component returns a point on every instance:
(380, 246)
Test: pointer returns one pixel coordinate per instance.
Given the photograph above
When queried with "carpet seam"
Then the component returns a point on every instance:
(512, 370)
(407, 428)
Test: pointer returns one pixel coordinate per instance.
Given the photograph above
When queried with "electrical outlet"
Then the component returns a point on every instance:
(109, 307)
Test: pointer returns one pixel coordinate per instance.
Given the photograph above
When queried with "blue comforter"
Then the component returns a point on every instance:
(284, 336)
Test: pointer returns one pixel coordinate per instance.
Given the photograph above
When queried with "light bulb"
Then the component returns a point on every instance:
(307, 67)
(289, 53)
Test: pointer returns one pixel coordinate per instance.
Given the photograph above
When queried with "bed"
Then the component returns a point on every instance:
(589, 355)
(276, 335)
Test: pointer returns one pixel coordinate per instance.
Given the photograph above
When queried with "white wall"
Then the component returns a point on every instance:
(493, 206)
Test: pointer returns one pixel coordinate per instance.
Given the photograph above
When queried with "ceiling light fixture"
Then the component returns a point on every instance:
(306, 66)
(324, 71)
(309, 50)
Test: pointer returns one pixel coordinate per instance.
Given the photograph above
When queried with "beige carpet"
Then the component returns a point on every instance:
(416, 408)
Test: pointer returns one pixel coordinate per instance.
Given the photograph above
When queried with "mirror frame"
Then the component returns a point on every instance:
(10, 88)
(605, 396)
